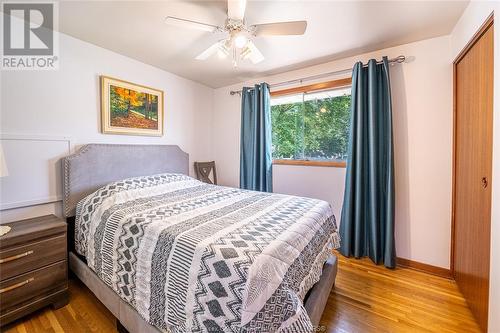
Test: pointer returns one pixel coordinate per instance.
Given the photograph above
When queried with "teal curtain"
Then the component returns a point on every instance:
(255, 152)
(367, 222)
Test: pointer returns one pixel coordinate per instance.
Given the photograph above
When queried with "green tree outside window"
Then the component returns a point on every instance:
(311, 126)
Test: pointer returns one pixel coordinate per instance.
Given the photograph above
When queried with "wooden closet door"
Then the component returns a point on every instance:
(473, 74)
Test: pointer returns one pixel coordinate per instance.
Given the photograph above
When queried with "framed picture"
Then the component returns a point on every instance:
(129, 108)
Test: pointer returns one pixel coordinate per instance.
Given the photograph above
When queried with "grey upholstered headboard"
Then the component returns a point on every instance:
(96, 165)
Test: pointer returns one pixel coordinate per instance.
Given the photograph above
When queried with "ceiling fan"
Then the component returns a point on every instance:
(237, 41)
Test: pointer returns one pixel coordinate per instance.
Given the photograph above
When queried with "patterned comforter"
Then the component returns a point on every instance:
(193, 257)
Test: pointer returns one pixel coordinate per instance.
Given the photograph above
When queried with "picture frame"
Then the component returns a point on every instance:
(130, 109)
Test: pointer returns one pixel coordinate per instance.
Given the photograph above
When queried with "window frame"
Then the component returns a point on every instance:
(339, 83)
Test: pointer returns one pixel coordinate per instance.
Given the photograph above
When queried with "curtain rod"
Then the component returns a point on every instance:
(398, 60)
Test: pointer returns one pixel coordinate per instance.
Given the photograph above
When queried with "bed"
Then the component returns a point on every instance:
(165, 252)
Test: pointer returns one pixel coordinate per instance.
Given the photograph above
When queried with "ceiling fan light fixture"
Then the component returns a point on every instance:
(222, 51)
(240, 41)
(245, 53)
(238, 36)
(252, 53)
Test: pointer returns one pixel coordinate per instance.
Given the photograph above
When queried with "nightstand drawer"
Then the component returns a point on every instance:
(28, 257)
(31, 285)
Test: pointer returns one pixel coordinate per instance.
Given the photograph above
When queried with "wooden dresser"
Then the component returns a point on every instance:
(33, 267)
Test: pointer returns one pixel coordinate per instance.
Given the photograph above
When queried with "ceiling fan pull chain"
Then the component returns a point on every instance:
(235, 59)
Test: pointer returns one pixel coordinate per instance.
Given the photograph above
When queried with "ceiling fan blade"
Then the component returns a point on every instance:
(208, 52)
(236, 9)
(254, 54)
(280, 28)
(185, 23)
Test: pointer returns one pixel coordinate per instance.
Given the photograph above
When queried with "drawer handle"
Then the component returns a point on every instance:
(17, 256)
(17, 285)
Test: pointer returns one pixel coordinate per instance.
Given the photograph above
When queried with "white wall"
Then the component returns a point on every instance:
(422, 103)
(325, 183)
(470, 22)
(66, 102)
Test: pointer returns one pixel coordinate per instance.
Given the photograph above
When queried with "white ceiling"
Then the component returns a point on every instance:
(335, 30)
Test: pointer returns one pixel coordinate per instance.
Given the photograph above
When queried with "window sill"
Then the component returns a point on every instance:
(334, 164)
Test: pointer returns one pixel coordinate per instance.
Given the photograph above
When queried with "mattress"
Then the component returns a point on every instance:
(193, 257)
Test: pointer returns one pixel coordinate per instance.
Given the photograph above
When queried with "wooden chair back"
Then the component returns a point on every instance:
(204, 170)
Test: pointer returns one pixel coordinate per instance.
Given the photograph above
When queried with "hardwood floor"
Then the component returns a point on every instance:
(369, 298)
(366, 298)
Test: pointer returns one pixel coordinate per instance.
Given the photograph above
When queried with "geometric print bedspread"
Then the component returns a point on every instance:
(193, 257)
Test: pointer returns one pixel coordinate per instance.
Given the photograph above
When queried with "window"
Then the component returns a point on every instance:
(310, 125)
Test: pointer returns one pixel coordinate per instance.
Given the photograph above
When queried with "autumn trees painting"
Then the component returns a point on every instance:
(130, 108)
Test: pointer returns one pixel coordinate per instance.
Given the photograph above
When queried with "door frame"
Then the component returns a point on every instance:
(484, 27)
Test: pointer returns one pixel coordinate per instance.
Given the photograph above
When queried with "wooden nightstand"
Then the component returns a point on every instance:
(33, 267)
